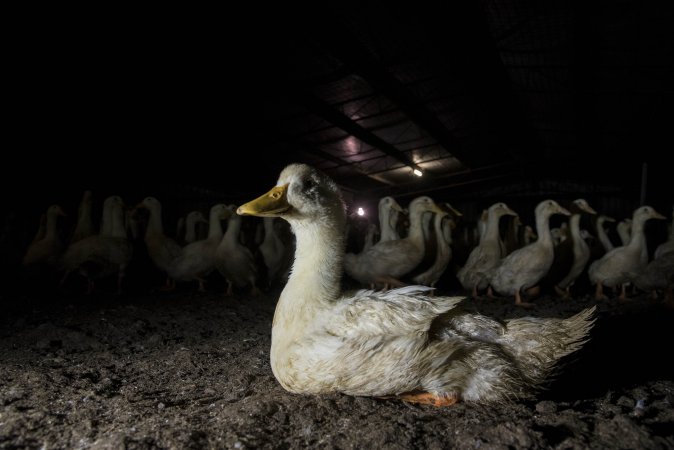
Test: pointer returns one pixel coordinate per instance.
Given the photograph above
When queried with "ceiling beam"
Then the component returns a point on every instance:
(350, 53)
(327, 112)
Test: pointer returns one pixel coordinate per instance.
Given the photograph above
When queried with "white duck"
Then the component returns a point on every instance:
(483, 259)
(624, 228)
(657, 275)
(387, 261)
(389, 212)
(102, 255)
(611, 268)
(197, 260)
(667, 246)
(525, 267)
(47, 251)
(398, 343)
(273, 251)
(601, 232)
(161, 248)
(234, 260)
(442, 224)
(192, 221)
(85, 225)
(580, 251)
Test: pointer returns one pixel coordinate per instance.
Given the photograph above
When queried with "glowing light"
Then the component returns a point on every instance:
(417, 172)
(360, 212)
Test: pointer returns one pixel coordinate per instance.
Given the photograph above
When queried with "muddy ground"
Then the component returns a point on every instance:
(183, 370)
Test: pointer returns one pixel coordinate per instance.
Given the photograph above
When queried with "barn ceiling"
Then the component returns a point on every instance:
(475, 94)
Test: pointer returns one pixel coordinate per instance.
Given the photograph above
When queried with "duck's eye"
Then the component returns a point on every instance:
(309, 184)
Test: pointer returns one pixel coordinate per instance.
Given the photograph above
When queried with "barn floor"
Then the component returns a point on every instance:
(182, 370)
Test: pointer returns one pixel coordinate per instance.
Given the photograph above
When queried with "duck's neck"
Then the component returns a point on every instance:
(443, 237)
(214, 226)
(416, 232)
(233, 230)
(118, 227)
(269, 232)
(637, 237)
(491, 233)
(51, 225)
(154, 222)
(543, 229)
(603, 238)
(574, 226)
(388, 222)
(84, 215)
(315, 279)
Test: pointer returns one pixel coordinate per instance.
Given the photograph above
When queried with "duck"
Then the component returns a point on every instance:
(579, 250)
(611, 268)
(103, 254)
(400, 344)
(528, 235)
(45, 252)
(85, 226)
(668, 245)
(370, 234)
(234, 260)
(389, 212)
(197, 259)
(442, 224)
(624, 228)
(161, 248)
(192, 221)
(484, 258)
(525, 267)
(274, 251)
(386, 262)
(601, 233)
(657, 275)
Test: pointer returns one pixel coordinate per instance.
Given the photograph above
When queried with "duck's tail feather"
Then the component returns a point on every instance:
(537, 344)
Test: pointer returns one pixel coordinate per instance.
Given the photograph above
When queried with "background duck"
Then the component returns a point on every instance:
(104, 254)
(274, 252)
(524, 268)
(161, 248)
(389, 213)
(197, 260)
(85, 225)
(386, 262)
(234, 260)
(611, 268)
(576, 247)
(46, 251)
(658, 275)
(442, 224)
(398, 343)
(483, 259)
(668, 245)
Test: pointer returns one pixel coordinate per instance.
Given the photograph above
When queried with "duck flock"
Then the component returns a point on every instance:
(408, 246)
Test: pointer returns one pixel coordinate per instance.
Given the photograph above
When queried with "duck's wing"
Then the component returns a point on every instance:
(402, 311)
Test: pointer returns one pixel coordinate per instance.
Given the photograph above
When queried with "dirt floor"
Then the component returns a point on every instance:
(182, 370)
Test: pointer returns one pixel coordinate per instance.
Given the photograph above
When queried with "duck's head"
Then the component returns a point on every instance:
(547, 208)
(56, 210)
(301, 192)
(501, 209)
(582, 205)
(646, 212)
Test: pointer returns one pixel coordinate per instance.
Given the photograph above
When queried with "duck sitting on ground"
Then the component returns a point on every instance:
(400, 343)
